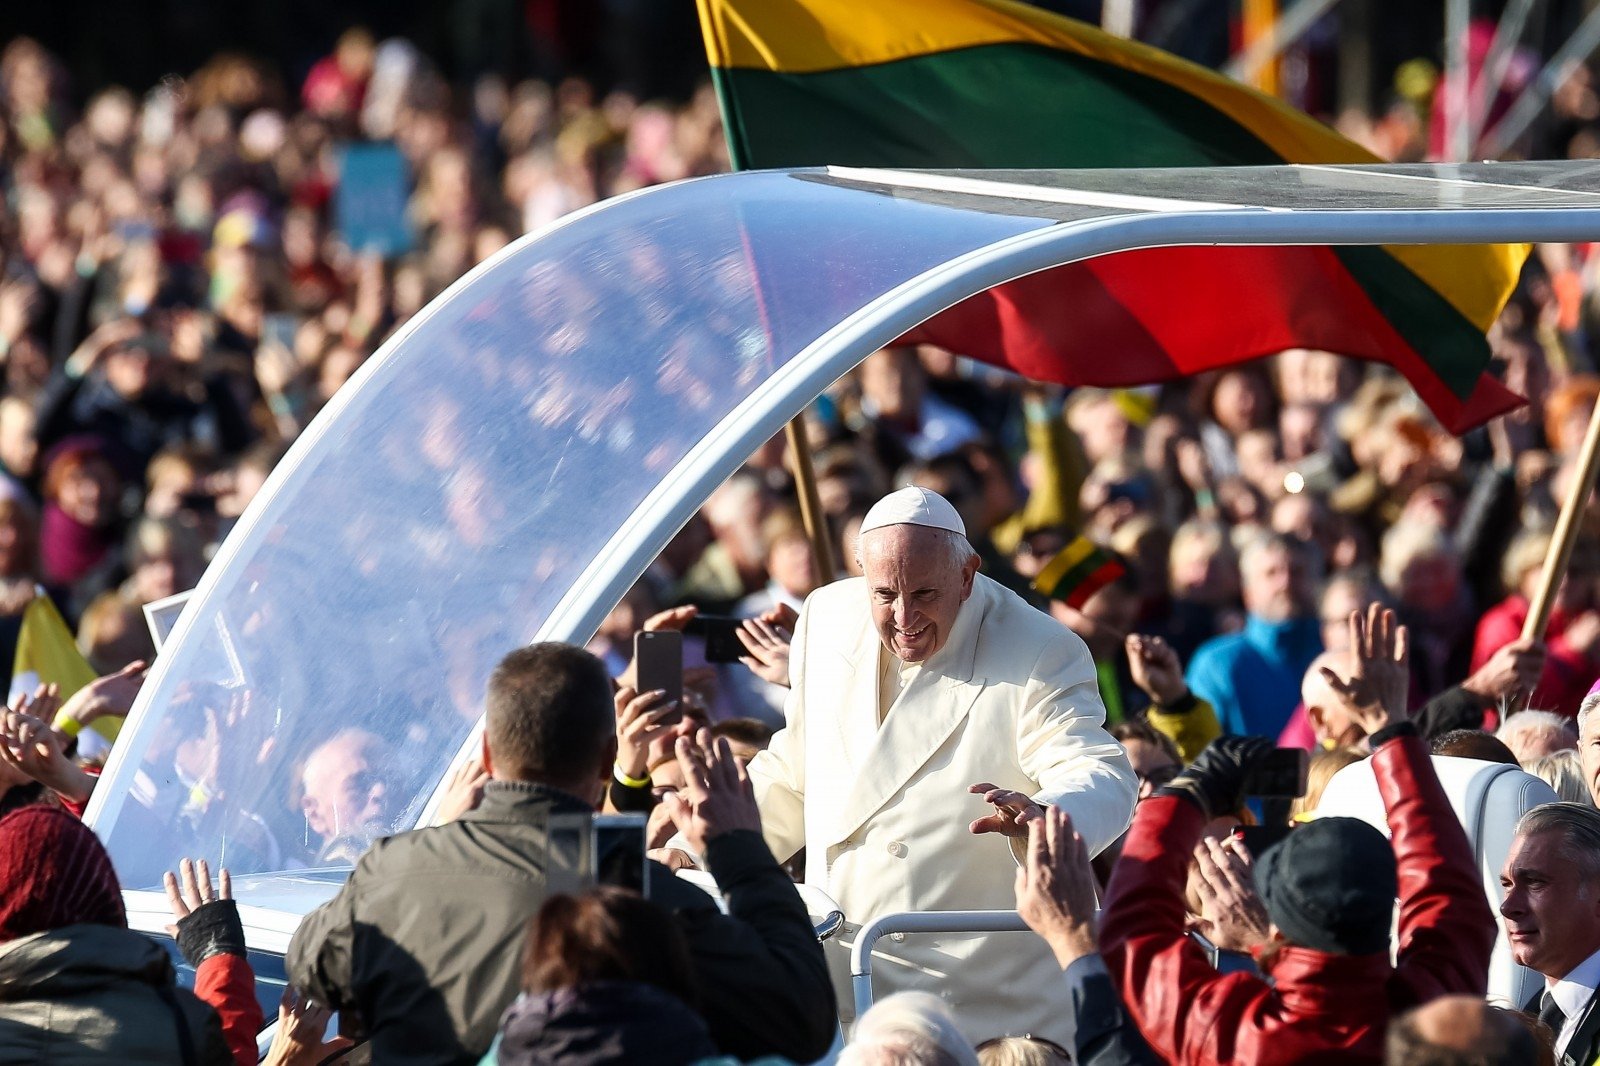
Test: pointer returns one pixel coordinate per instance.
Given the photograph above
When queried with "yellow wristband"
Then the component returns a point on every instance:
(68, 724)
(630, 782)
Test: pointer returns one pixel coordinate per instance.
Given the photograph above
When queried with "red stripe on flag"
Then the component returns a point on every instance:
(1160, 313)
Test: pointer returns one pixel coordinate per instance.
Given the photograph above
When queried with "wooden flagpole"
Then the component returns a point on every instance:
(1566, 532)
(805, 483)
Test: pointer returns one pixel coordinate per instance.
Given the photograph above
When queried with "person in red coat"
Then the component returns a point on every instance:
(1329, 890)
(1573, 635)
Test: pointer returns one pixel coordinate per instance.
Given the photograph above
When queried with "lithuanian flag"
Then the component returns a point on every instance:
(998, 84)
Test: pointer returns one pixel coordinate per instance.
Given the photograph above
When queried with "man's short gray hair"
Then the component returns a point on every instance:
(908, 1029)
(1263, 543)
(1579, 826)
(1586, 709)
(956, 547)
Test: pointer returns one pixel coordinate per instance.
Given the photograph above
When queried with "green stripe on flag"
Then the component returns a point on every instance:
(990, 106)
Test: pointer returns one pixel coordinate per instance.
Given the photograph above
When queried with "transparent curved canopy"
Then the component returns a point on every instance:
(506, 466)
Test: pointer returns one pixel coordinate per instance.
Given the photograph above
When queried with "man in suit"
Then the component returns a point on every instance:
(1552, 916)
(919, 692)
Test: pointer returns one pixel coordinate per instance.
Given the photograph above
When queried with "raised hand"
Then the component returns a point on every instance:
(464, 792)
(1231, 914)
(768, 644)
(30, 746)
(108, 696)
(206, 921)
(1056, 888)
(1155, 668)
(1012, 811)
(298, 1039)
(716, 797)
(1375, 694)
(643, 718)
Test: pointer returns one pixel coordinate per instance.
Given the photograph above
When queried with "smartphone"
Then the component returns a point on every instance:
(1281, 774)
(1258, 838)
(617, 845)
(721, 636)
(658, 662)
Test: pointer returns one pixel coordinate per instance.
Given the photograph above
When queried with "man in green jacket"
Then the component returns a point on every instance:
(420, 950)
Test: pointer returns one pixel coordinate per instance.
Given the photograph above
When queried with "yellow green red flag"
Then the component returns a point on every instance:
(1000, 84)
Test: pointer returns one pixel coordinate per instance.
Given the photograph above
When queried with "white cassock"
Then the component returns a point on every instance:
(1011, 698)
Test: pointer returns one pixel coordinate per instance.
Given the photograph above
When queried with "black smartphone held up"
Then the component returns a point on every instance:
(658, 662)
(1281, 774)
(617, 843)
(1258, 838)
(721, 636)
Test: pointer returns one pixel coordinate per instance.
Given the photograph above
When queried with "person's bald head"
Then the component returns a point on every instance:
(1330, 719)
(1463, 1031)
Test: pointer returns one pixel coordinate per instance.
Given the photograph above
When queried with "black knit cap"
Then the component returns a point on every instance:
(1330, 885)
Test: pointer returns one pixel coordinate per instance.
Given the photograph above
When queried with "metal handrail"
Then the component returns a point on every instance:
(918, 922)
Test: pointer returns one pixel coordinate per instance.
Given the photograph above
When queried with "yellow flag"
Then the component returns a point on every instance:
(46, 654)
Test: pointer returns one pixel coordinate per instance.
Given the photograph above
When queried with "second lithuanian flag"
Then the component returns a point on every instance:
(1000, 84)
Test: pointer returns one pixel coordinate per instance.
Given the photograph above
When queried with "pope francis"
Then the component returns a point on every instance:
(919, 693)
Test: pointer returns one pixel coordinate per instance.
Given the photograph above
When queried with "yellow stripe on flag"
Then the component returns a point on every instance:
(1065, 560)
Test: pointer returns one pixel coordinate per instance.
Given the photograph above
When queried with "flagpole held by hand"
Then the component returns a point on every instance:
(1566, 532)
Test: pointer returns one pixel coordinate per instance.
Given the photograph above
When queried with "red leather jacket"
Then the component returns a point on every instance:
(1322, 1007)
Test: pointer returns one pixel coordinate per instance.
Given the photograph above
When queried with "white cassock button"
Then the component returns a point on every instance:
(897, 849)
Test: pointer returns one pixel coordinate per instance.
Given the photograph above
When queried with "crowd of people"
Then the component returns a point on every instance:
(1290, 553)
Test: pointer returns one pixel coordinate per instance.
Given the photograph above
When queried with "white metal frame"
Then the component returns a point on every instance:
(918, 922)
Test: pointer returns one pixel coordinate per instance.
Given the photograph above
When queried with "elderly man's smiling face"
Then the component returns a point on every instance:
(916, 583)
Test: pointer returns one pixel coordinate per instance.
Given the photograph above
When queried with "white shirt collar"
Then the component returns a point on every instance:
(1572, 994)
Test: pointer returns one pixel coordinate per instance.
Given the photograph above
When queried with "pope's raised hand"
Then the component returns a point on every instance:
(1012, 811)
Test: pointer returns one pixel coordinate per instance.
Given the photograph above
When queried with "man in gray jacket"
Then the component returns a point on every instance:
(420, 950)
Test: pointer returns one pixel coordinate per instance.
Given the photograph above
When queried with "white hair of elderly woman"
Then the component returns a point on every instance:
(1533, 734)
(908, 1029)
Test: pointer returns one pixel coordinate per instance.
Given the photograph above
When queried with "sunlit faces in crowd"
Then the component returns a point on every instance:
(1419, 565)
(83, 484)
(1102, 426)
(1277, 581)
(1202, 564)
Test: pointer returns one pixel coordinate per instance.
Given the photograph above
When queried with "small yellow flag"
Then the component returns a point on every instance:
(46, 654)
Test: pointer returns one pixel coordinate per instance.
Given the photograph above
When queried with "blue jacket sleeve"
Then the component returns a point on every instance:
(1103, 1034)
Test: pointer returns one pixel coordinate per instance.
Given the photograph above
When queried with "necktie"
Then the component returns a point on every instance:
(1550, 1014)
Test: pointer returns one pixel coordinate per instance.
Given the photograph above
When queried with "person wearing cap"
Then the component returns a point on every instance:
(921, 691)
(1329, 890)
